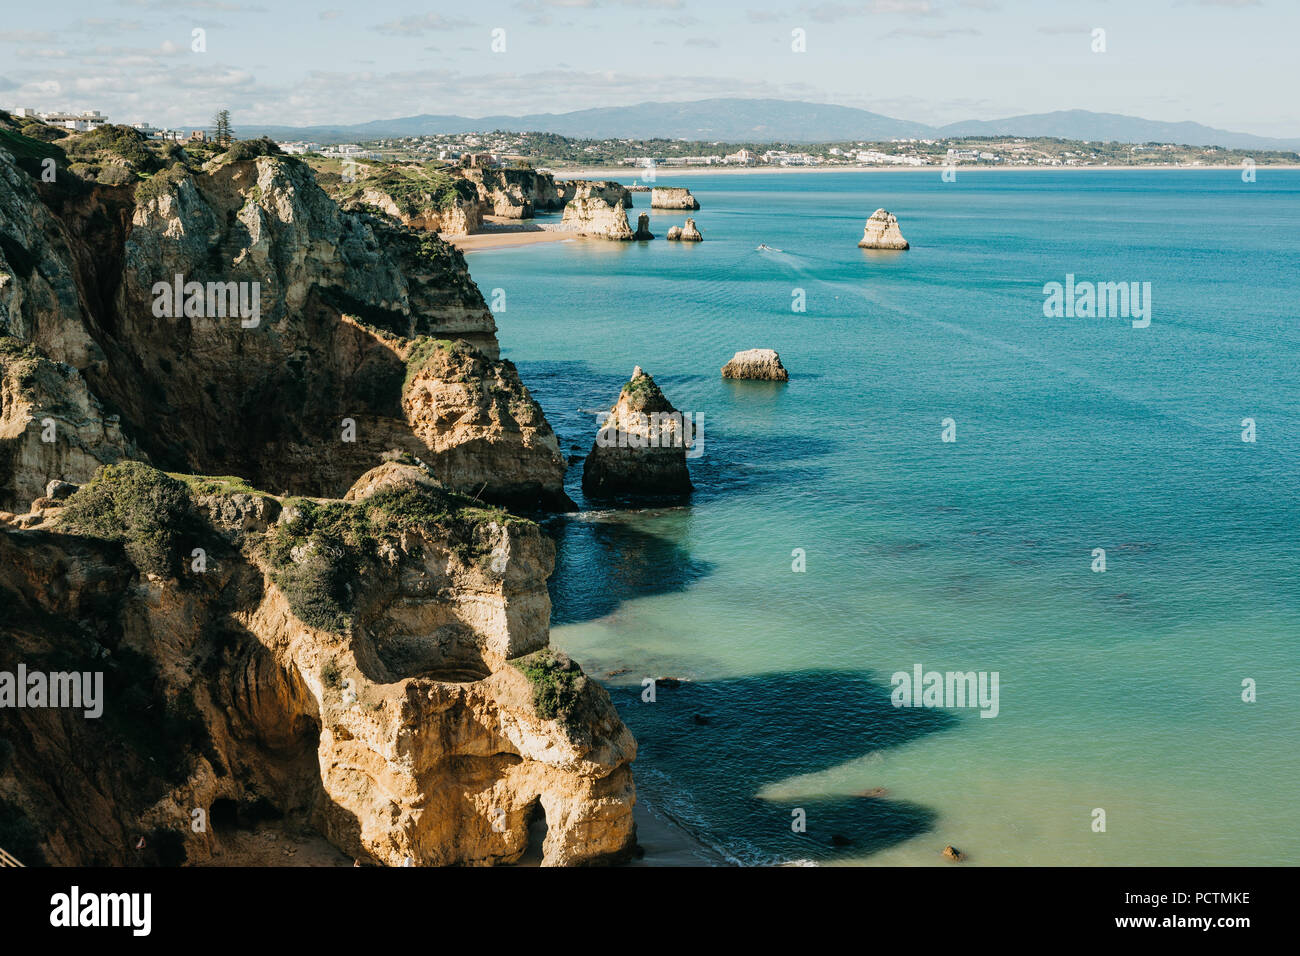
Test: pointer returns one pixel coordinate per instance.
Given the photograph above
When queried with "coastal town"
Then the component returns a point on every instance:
(505, 148)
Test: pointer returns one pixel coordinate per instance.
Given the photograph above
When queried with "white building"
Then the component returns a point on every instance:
(79, 122)
(742, 157)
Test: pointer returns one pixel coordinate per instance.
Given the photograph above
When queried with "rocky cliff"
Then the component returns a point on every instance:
(613, 193)
(686, 233)
(882, 232)
(514, 193)
(374, 669)
(343, 300)
(353, 647)
(415, 196)
(596, 218)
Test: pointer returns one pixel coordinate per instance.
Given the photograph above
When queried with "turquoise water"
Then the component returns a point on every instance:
(1118, 690)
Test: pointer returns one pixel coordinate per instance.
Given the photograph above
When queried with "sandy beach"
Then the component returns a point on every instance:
(481, 241)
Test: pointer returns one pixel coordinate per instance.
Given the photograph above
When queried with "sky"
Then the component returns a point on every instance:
(1226, 63)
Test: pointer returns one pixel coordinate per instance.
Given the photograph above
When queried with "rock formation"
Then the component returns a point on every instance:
(343, 300)
(613, 193)
(687, 233)
(882, 232)
(672, 197)
(596, 218)
(643, 233)
(376, 669)
(371, 661)
(641, 446)
(762, 364)
(513, 193)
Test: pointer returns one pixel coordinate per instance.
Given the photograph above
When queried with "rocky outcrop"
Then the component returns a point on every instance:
(882, 232)
(687, 233)
(342, 300)
(643, 233)
(456, 217)
(761, 364)
(672, 197)
(640, 449)
(596, 218)
(514, 193)
(613, 193)
(375, 669)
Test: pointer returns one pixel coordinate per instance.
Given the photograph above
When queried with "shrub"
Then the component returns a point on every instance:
(159, 183)
(558, 684)
(151, 513)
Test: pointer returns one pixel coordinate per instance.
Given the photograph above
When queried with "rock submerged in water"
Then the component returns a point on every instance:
(672, 197)
(950, 852)
(687, 233)
(643, 233)
(761, 364)
(641, 446)
(882, 232)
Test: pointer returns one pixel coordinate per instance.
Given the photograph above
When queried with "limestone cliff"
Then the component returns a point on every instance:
(596, 218)
(513, 193)
(613, 193)
(643, 233)
(374, 669)
(363, 654)
(342, 300)
(882, 232)
(416, 196)
(672, 197)
(640, 449)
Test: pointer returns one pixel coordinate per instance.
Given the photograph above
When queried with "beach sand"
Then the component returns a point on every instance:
(480, 241)
(667, 844)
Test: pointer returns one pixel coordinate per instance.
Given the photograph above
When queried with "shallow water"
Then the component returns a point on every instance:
(1118, 690)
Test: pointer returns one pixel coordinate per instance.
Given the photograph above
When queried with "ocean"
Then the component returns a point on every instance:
(1119, 691)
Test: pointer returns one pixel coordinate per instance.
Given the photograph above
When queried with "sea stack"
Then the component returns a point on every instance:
(687, 233)
(672, 197)
(760, 364)
(641, 446)
(643, 233)
(881, 232)
(596, 218)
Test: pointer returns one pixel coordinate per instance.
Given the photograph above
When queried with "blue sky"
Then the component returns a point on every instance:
(1226, 63)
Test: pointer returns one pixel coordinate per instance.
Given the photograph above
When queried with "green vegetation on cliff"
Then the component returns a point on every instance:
(150, 513)
(558, 683)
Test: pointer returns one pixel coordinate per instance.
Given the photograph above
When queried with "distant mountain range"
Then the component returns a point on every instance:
(791, 121)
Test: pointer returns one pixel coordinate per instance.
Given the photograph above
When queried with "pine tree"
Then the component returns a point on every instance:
(221, 131)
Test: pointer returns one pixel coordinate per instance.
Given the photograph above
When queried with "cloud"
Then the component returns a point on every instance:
(329, 14)
(417, 26)
(938, 34)
(706, 42)
(27, 36)
(1066, 29)
(7, 84)
(835, 12)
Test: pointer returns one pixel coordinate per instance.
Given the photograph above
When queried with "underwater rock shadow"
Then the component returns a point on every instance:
(600, 564)
(724, 741)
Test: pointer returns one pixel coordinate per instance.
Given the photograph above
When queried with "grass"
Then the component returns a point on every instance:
(558, 684)
(414, 189)
(218, 485)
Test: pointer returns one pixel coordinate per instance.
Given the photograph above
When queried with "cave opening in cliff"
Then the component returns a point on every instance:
(224, 814)
(535, 820)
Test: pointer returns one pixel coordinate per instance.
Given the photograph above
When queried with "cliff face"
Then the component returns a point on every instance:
(514, 193)
(608, 190)
(597, 218)
(458, 218)
(341, 299)
(375, 668)
(760, 364)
